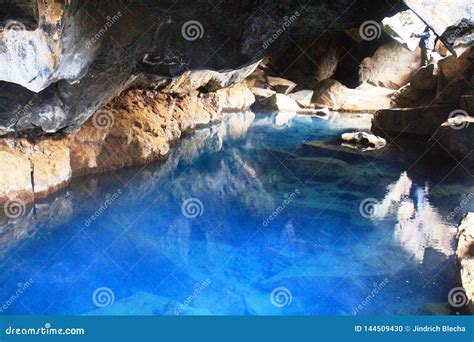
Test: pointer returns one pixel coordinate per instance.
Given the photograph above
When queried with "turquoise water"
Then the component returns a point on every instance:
(244, 219)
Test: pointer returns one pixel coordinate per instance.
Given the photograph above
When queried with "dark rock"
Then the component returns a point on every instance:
(79, 55)
(419, 122)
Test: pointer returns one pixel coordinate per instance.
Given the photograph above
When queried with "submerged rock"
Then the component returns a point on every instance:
(363, 141)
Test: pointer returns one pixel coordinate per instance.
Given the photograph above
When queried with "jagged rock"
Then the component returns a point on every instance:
(365, 98)
(280, 85)
(465, 256)
(363, 141)
(454, 139)
(391, 66)
(302, 97)
(72, 56)
(426, 78)
(421, 122)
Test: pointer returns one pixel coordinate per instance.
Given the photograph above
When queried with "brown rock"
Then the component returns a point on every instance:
(51, 167)
(15, 176)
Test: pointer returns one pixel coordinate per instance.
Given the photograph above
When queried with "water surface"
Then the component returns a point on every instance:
(244, 219)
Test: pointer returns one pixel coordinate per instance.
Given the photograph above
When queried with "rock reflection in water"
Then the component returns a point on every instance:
(419, 225)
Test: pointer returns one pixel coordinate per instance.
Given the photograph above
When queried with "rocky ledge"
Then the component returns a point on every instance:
(135, 128)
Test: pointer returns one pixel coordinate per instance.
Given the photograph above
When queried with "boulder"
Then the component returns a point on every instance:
(363, 141)
(426, 78)
(419, 122)
(365, 98)
(454, 139)
(280, 85)
(277, 102)
(465, 256)
(302, 97)
(391, 66)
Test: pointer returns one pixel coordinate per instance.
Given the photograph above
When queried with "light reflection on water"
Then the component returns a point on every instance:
(315, 244)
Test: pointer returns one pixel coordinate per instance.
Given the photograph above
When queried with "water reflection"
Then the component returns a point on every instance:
(317, 245)
(419, 225)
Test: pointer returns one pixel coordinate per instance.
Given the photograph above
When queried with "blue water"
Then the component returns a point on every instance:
(278, 230)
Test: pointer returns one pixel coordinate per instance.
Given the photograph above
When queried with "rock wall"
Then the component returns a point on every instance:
(135, 128)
